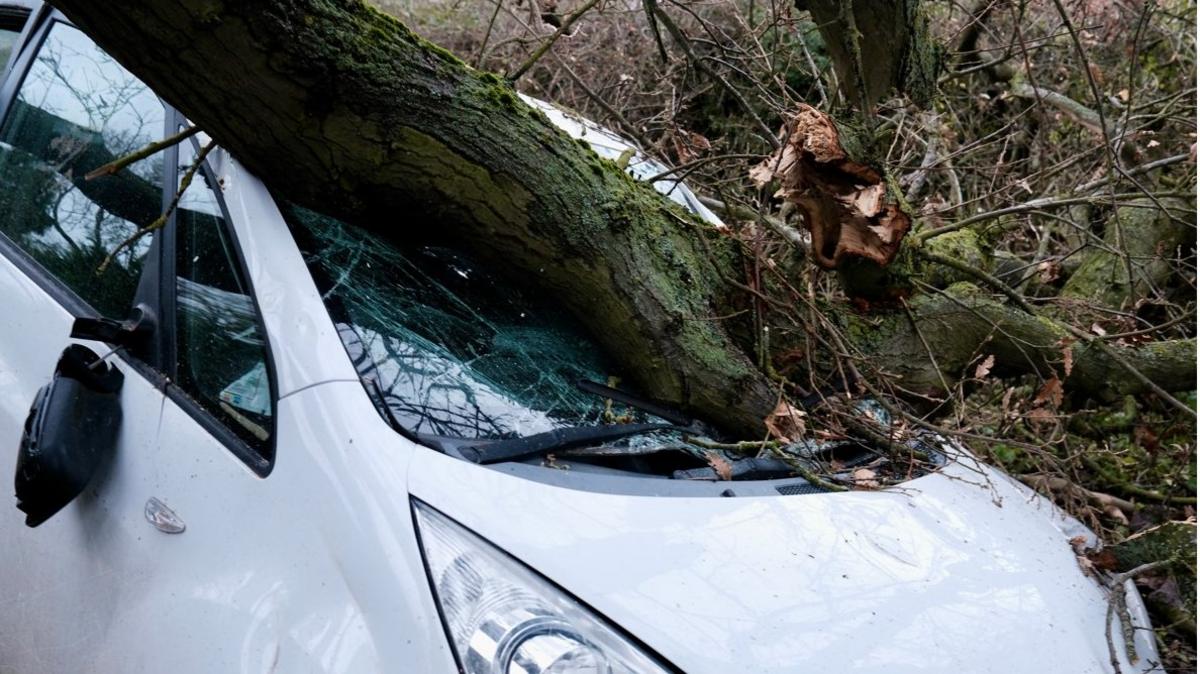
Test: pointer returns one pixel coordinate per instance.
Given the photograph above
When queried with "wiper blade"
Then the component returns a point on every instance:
(558, 439)
(658, 410)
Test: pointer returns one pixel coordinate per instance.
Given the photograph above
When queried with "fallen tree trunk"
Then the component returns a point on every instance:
(342, 108)
(961, 326)
(1140, 238)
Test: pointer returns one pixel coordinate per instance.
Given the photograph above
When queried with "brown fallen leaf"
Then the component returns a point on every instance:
(785, 423)
(1102, 559)
(1079, 547)
(845, 203)
(985, 367)
(1050, 394)
(868, 201)
(1006, 401)
(1068, 355)
(720, 465)
(1040, 415)
(866, 478)
(1049, 271)
(761, 174)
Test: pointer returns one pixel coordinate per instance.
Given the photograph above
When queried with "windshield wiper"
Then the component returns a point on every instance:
(558, 439)
(491, 451)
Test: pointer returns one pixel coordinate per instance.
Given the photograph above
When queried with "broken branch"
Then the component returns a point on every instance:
(157, 146)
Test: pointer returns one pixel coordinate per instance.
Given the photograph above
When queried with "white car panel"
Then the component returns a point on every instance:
(305, 346)
(956, 572)
(65, 579)
(611, 146)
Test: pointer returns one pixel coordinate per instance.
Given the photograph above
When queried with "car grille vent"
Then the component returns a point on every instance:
(797, 488)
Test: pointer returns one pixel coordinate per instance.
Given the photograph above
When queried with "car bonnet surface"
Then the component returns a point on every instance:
(960, 571)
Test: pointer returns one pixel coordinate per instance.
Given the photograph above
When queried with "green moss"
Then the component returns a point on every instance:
(1107, 420)
(963, 245)
(498, 202)
(209, 14)
(923, 59)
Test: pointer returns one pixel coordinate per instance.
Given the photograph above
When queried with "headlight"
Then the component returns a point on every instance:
(504, 619)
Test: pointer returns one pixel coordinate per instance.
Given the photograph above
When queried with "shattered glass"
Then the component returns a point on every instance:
(457, 350)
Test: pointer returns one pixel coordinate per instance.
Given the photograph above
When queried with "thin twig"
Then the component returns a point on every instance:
(975, 272)
(157, 146)
(487, 34)
(677, 34)
(1031, 205)
(541, 51)
(184, 183)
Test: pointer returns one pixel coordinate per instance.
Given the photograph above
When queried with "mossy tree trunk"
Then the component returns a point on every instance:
(339, 107)
(343, 109)
(877, 46)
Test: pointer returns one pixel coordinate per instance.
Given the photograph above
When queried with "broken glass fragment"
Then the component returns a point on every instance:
(456, 349)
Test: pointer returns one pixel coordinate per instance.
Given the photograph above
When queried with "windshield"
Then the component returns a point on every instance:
(457, 351)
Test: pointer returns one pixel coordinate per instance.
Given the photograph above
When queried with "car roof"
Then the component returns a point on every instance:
(609, 145)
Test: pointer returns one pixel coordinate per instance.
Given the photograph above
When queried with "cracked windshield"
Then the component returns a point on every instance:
(456, 350)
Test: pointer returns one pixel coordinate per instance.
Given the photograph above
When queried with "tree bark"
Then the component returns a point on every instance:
(1140, 238)
(950, 331)
(341, 108)
(877, 46)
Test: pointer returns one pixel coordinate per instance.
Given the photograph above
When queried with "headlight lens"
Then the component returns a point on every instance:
(505, 619)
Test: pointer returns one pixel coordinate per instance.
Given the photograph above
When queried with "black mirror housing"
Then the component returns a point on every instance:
(71, 428)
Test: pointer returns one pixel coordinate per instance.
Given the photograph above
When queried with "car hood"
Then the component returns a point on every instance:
(958, 571)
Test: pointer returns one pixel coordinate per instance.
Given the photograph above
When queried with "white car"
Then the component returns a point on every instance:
(318, 450)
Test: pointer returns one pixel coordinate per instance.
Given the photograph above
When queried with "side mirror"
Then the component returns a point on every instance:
(133, 332)
(71, 428)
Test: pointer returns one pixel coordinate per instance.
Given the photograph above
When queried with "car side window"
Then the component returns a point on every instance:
(11, 22)
(220, 350)
(75, 111)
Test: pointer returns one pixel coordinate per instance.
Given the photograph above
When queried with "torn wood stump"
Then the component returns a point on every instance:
(846, 204)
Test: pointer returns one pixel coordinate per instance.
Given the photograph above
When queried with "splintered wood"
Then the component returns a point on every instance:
(845, 204)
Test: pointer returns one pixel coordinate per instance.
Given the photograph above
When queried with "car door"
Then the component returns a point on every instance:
(66, 111)
(85, 590)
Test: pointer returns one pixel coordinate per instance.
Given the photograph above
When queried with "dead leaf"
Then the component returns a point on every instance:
(720, 465)
(1050, 394)
(785, 423)
(1098, 330)
(1143, 436)
(1039, 416)
(1079, 544)
(1079, 547)
(1068, 355)
(1049, 271)
(985, 367)
(866, 478)
(1006, 400)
